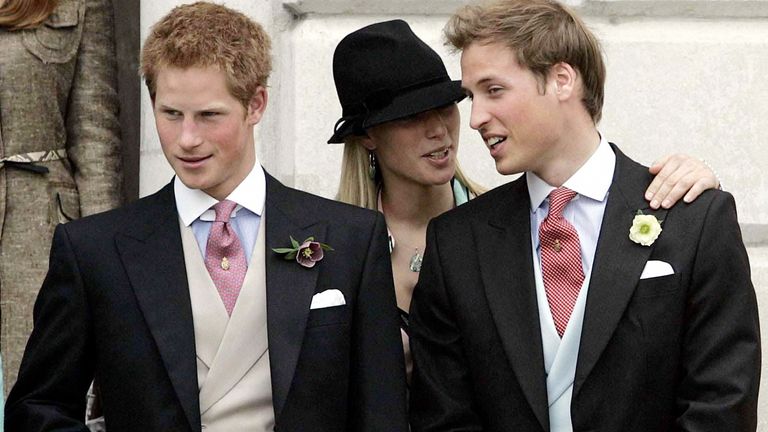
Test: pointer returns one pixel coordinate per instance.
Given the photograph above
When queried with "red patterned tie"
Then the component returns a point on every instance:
(560, 259)
(224, 256)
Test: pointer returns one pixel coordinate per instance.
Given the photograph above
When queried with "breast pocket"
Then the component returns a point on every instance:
(58, 38)
(658, 286)
(64, 202)
(328, 316)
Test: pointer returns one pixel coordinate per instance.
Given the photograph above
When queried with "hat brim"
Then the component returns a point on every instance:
(417, 101)
(348, 127)
(405, 105)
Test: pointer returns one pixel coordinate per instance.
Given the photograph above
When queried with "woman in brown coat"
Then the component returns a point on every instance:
(59, 142)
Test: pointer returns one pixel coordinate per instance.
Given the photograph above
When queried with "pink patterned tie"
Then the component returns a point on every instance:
(560, 259)
(224, 256)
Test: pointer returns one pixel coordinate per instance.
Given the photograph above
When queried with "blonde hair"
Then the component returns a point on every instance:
(205, 34)
(473, 187)
(542, 33)
(25, 14)
(356, 186)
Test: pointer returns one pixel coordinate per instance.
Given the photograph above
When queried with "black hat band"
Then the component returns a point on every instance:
(382, 98)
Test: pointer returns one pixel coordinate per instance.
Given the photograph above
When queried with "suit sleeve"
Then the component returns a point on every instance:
(57, 368)
(441, 390)
(721, 349)
(378, 371)
(93, 130)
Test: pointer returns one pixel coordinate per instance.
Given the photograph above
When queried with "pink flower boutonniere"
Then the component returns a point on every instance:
(306, 253)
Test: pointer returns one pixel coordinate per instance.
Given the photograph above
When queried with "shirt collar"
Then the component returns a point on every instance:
(250, 193)
(592, 180)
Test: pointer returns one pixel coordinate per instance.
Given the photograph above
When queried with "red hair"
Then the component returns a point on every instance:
(25, 14)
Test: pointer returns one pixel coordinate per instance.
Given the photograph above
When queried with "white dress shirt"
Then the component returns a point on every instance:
(195, 208)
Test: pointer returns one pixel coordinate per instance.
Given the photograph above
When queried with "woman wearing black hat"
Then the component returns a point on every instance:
(400, 127)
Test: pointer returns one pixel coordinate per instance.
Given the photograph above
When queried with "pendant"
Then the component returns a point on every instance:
(415, 264)
(224, 263)
(558, 246)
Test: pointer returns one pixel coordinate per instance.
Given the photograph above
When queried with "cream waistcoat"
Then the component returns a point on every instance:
(560, 355)
(233, 371)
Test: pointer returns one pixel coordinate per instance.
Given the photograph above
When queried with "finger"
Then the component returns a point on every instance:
(658, 164)
(667, 176)
(704, 179)
(709, 172)
(656, 184)
(677, 190)
(675, 186)
(696, 190)
(692, 184)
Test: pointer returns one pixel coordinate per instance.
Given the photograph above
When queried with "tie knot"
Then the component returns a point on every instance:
(558, 199)
(223, 210)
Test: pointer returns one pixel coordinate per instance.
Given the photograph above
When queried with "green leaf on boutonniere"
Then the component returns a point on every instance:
(283, 250)
(306, 253)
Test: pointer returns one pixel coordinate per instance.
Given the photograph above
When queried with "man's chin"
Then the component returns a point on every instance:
(506, 169)
(191, 182)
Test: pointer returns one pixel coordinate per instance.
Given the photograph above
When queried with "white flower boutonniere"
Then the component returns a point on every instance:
(645, 229)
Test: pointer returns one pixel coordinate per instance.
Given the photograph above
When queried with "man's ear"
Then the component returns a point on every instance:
(257, 105)
(565, 79)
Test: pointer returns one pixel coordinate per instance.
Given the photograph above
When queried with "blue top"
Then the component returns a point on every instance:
(460, 192)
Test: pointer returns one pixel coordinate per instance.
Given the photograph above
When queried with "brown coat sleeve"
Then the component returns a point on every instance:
(93, 135)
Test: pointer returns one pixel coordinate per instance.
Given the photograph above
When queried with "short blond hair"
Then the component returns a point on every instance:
(205, 34)
(542, 33)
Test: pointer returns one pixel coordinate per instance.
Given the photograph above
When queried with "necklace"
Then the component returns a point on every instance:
(415, 263)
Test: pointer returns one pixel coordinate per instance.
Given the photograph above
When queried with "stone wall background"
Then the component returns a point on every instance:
(683, 76)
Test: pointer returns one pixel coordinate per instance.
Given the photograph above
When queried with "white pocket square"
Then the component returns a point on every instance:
(654, 268)
(327, 298)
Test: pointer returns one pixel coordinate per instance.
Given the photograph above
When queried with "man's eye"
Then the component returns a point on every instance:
(210, 114)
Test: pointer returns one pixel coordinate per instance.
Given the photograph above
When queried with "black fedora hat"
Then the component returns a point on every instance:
(384, 72)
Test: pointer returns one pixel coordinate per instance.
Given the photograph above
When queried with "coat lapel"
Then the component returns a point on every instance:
(153, 258)
(618, 263)
(290, 287)
(506, 266)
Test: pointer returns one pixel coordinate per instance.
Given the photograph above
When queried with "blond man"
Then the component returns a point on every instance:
(582, 308)
(184, 306)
